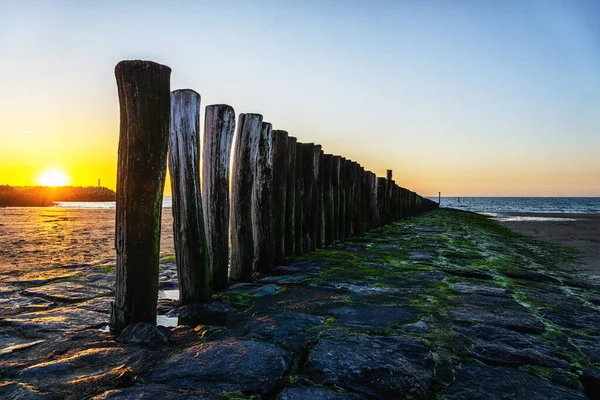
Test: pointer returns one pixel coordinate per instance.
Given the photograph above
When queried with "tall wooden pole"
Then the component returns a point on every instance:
(335, 187)
(308, 228)
(299, 204)
(290, 199)
(262, 216)
(191, 256)
(318, 197)
(242, 179)
(328, 216)
(144, 98)
(280, 163)
(219, 127)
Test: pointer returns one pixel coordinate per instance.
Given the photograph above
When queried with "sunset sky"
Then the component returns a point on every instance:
(488, 98)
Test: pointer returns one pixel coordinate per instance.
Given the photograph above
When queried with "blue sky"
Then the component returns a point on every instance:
(463, 97)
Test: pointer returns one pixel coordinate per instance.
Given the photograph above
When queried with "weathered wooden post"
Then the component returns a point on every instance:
(343, 196)
(364, 201)
(290, 199)
(328, 217)
(372, 200)
(191, 258)
(318, 195)
(242, 179)
(262, 216)
(349, 198)
(356, 199)
(299, 203)
(144, 98)
(219, 126)
(381, 197)
(335, 187)
(280, 161)
(308, 228)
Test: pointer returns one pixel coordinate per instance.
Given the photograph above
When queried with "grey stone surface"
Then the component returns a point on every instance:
(290, 330)
(482, 382)
(382, 367)
(316, 393)
(372, 318)
(66, 292)
(158, 392)
(144, 334)
(225, 365)
(520, 321)
(61, 319)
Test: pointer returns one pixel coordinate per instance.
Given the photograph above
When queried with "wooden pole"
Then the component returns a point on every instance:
(348, 199)
(290, 199)
(242, 179)
(219, 127)
(191, 256)
(299, 203)
(335, 187)
(144, 99)
(262, 216)
(308, 228)
(328, 213)
(381, 191)
(318, 196)
(280, 162)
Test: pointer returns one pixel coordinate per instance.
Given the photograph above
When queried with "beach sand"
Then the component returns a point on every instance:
(581, 231)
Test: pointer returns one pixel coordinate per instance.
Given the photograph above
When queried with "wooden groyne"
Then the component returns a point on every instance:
(285, 197)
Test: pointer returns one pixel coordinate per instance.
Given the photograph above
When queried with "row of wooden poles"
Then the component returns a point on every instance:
(286, 198)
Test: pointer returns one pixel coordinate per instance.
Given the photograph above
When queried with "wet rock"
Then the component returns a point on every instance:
(98, 358)
(382, 367)
(252, 289)
(225, 366)
(143, 333)
(212, 313)
(316, 393)
(532, 276)
(502, 347)
(61, 319)
(590, 379)
(285, 279)
(581, 318)
(468, 273)
(516, 320)
(106, 281)
(161, 392)
(483, 290)
(21, 391)
(20, 346)
(19, 304)
(66, 292)
(372, 318)
(99, 304)
(420, 256)
(364, 288)
(291, 330)
(421, 326)
(482, 382)
(590, 347)
(505, 303)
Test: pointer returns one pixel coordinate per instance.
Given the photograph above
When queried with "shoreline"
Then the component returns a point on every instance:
(580, 231)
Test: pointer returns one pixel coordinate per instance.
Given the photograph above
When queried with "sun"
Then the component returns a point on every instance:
(53, 177)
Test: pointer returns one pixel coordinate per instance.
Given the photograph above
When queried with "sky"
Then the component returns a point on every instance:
(467, 98)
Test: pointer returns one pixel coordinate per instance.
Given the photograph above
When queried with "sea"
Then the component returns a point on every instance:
(499, 208)
(504, 208)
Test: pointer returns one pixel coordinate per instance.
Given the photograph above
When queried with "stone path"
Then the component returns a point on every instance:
(448, 305)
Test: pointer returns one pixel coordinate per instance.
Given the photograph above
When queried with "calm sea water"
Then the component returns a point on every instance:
(496, 207)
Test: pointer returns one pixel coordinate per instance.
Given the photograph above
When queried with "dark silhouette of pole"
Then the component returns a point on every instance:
(144, 99)
(280, 164)
(290, 199)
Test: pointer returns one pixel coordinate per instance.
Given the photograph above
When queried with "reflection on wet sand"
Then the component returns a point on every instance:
(40, 238)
